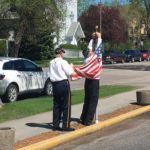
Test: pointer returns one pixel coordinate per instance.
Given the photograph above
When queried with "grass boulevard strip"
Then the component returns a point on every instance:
(40, 104)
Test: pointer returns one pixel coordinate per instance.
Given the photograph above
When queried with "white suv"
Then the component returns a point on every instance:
(19, 75)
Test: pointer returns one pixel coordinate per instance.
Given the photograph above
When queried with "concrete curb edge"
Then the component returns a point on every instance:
(49, 143)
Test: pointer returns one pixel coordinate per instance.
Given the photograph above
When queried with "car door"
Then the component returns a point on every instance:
(36, 75)
(22, 78)
(138, 55)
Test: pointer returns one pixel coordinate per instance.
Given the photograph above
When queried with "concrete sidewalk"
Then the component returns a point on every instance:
(34, 125)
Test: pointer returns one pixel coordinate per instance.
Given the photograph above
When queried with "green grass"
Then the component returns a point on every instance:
(38, 105)
(75, 61)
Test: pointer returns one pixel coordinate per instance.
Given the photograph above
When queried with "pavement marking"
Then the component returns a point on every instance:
(49, 143)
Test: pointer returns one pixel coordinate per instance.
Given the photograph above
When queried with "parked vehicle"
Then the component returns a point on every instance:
(133, 55)
(113, 57)
(19, 75)
(145, 54)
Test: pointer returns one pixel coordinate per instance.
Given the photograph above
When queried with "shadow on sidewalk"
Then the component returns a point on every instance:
(40, 125)
(48, 125)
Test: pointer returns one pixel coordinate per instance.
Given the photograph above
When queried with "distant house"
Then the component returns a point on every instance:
(74, 33)
(72, 30)
(136, 33)
(7, 20)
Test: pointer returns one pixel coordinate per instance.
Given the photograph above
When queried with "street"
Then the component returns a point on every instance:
(132, 134)
(126, 74)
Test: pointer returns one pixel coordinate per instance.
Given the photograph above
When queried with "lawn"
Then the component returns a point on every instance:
(41, 104)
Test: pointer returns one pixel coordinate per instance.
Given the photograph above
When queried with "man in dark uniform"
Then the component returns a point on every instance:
(60, 71)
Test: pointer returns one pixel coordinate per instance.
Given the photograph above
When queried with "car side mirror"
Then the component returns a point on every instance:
(39, 69)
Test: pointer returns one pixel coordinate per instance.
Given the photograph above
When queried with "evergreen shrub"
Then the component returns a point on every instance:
(2, 47)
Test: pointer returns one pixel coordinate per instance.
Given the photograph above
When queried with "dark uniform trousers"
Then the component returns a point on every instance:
(91, 88)
(62, 103)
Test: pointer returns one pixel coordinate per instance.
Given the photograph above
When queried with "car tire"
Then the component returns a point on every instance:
(48, 88)
(122, 61)
(132, 60)
(11, 94)
(112, 62)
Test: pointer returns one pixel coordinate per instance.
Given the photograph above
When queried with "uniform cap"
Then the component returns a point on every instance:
(59, 50)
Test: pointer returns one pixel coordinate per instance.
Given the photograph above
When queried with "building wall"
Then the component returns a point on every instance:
(73, 53)
(70, 15)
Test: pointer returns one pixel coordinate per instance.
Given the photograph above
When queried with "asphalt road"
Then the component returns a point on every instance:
(132, 134)
(121, 74)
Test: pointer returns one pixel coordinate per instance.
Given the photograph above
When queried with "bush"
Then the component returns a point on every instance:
(37, 49)
(70, 46)
(119, 46)
(2, 47)
(146, 44)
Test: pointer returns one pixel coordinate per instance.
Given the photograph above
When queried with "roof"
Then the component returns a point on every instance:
(7, 58)
(75, 30)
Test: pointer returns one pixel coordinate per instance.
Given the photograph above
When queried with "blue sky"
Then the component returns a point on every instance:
(122, 1)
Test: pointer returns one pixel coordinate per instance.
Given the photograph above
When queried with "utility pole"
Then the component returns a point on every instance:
(100, 19)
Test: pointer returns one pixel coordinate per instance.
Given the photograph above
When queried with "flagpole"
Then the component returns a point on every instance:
(100, 28)
(100, 19)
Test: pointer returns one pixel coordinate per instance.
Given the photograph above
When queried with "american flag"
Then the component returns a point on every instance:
(91, 70)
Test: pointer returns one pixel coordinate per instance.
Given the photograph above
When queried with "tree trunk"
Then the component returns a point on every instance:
(14, 51)
(18, 41)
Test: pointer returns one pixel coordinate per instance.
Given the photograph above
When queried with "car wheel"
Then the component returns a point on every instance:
(133, 60)
(122, 61)
(11, 94)
(148, 58)
(112, 62)
(140, 59)
(48, 88)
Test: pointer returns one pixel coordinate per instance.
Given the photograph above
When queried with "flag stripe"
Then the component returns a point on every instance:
(92, 69)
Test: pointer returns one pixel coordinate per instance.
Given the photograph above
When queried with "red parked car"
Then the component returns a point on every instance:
(145, 54)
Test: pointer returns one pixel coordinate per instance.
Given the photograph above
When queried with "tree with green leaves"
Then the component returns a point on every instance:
(114, 28)
(142, 7)
(147, 6)
(35, 19)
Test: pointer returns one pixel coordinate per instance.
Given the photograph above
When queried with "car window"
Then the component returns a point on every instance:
(8, 66)
(18, 65)
(29, 66)
(137, 51)
(129, 52)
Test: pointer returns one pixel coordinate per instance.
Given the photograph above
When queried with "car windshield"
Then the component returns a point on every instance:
(112, 52)
(129, 52)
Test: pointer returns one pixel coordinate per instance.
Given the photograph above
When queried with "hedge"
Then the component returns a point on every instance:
(70, 46)
(2, 47)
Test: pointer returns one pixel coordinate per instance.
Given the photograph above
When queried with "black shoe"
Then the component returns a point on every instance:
(79, 121)
(87, 123)
(67, 129)
(56, 128)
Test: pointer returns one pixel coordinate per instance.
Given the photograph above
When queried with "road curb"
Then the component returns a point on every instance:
(46, 144)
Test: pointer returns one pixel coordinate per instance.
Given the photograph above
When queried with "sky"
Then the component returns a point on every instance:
(121, 1)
